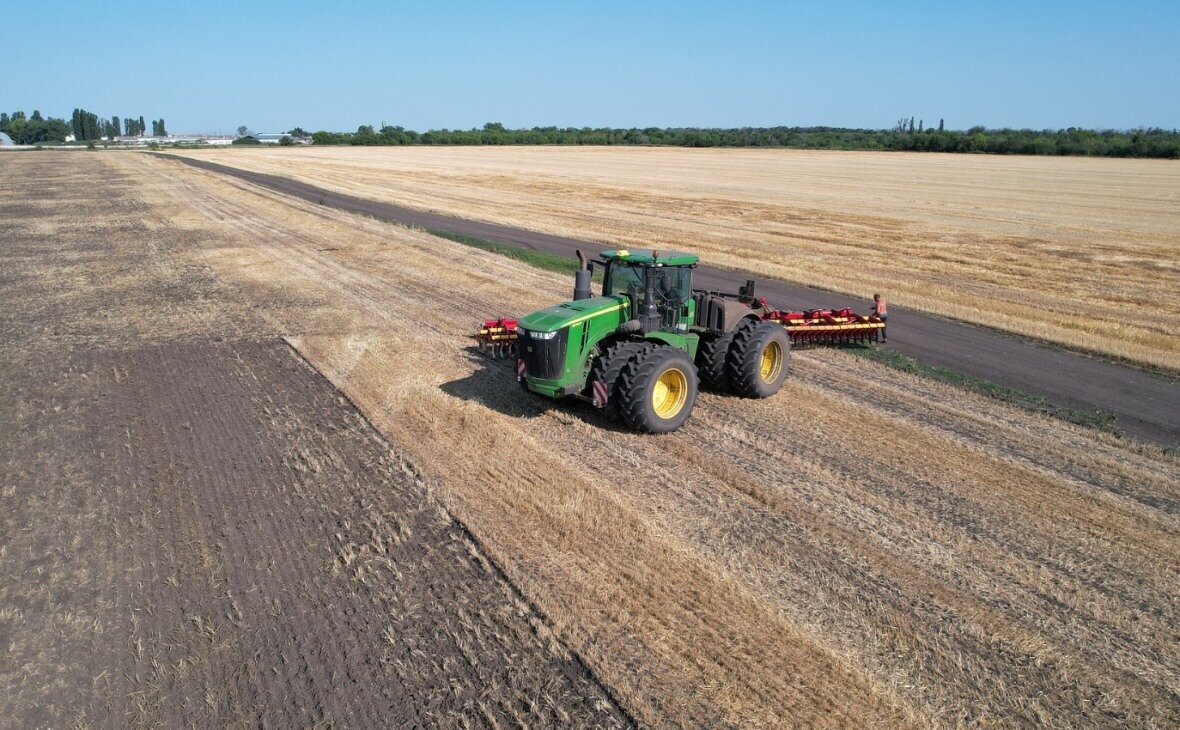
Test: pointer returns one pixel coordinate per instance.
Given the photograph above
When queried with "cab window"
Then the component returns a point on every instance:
(673, 285)
(626, 280)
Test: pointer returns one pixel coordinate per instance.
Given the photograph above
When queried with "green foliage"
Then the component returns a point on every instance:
(133, 127)
(34, 129)
(1099, 419)
(906, 135)
(286, 141)
(245, 141)
(84, 125)
(538, 259)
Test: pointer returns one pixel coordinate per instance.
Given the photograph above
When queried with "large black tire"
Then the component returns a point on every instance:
(609, 365)
(759, 359)
(657, 390)
(711, 357)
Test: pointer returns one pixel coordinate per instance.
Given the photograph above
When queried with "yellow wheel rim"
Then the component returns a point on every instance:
(670, 393)
(772, 362)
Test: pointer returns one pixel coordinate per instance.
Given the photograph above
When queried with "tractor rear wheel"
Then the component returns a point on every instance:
(609, 365)
(711, 357)
(759, 360)
(657, 390)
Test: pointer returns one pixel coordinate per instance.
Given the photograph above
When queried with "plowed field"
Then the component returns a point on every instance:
(868, 547)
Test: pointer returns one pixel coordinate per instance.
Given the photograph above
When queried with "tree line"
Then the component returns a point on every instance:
(83, 125)
(903, 136)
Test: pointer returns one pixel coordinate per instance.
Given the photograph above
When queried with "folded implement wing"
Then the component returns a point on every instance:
(497, 337)
(827, 326)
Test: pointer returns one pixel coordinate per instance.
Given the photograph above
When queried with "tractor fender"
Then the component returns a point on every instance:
(687, 342)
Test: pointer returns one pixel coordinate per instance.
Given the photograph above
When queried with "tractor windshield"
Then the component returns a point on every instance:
(626, 280)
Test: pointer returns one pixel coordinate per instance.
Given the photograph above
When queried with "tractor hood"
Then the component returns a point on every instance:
(566, 314)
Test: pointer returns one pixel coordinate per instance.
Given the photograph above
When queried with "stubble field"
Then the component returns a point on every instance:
(868, 547)
(1083, 252)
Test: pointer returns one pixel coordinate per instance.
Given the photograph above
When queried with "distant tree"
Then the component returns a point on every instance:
(155, 128)
(246, 140)
(365, 134)
(142, 125)
(298, 132)
(285, 141)
(36, 116)
(243, 131)
(163, 131)
(83, 124)
(920, 125)
(3, 120)
(911, 125)
(1146, 142)
(132, 126)
(115, 125)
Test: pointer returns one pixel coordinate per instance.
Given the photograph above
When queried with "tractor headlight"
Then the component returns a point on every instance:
(542, 335)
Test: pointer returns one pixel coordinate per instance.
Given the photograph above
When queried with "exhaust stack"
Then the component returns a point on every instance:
(582, 279)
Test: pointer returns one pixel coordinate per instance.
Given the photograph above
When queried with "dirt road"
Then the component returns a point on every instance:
(1146, 406)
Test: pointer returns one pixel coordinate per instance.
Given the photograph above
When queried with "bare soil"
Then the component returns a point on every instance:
(201, 530)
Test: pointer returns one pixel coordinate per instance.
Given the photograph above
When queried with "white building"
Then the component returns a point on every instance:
(275, 138)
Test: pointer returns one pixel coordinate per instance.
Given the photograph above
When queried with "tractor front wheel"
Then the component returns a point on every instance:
(609, 366)
(759, 360)
(657, 390)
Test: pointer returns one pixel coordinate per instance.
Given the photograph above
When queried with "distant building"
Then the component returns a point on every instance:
(270, 138)
(6, 141)
(201, 139)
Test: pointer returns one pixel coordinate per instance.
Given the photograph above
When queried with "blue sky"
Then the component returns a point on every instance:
(272, 66)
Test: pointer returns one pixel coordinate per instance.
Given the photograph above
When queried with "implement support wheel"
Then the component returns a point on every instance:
(759, 360)
(657, 390)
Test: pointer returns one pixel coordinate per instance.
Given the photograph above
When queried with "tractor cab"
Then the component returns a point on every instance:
(658, 286)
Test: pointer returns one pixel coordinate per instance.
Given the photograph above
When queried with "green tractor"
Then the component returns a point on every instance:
(642, 349)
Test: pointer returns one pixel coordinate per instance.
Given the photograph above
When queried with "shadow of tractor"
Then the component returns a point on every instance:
(494, 386)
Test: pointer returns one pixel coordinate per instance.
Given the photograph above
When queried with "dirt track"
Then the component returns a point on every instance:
(867, 547)
(1146, 406)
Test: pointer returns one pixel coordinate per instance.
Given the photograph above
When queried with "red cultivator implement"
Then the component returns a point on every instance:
(497, 337)
(827, 326)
